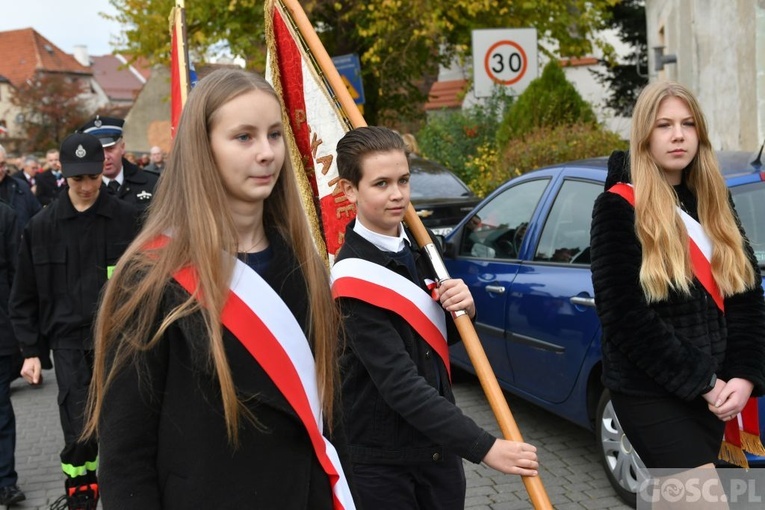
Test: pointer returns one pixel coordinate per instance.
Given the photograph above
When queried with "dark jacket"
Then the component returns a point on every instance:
(152, 167)
(63, 263)
(22, 178)
(9, 242)
(673, 346)
(20, 198)
(48, 187)
(398, 403)
(163, 438)
(138, 185)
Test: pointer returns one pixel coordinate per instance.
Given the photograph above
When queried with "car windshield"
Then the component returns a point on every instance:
(436, 185)
(750, 206)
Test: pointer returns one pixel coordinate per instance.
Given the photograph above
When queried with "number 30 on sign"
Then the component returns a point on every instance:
(506, 62)
(505, 58)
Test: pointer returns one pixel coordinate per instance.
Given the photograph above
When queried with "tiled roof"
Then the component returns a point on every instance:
(141, 65)
(446, 94)
(25, 52)
(119, 81)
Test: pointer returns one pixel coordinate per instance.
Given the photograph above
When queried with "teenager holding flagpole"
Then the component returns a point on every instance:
(677, 289)
(406, 435)
(215, 371)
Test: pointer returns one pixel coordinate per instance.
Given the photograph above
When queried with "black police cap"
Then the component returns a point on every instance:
(81, 154)
(107, 129)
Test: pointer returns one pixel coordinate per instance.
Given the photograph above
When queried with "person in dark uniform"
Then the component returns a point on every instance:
(51, 181)
(19, 197)
(122, 178)
(67, 253)
(28, 174)
(9, 356)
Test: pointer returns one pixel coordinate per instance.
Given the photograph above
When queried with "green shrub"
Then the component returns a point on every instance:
(549, 145)
(483, 170)
(454, 137)
(549, 100)
(543, 146)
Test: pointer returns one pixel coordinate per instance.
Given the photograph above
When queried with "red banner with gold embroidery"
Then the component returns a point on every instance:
(316, 123)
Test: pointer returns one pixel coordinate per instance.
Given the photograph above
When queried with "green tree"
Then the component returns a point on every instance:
(52, 107)
(549, 100)
(400, 43)
(624, 79)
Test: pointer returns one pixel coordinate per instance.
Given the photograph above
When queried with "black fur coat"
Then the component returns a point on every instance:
(673, 346)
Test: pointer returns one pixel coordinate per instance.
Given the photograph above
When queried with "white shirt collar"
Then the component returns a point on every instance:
(383, 242)
(120, 178)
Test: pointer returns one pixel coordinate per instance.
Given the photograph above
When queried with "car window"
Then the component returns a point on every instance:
(750, 206)
(566, 234)
(497, 229)
(436, 185)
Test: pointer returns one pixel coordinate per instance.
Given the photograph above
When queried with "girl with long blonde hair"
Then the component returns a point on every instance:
(677, 287)
(215, 314)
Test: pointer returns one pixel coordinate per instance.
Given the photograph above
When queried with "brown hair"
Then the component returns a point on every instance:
(359, 142)
(191, 203)
(666, 258)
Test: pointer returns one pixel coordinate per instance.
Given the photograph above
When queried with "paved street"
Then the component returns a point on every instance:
(570, 470)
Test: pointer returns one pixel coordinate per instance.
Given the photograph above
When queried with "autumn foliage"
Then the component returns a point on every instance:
(51, 107)
(400, 42)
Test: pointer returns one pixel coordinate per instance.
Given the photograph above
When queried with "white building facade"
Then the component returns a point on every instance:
(718, 48)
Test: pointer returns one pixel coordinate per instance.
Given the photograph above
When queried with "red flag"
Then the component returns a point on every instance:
(316, 122)
(179, 64)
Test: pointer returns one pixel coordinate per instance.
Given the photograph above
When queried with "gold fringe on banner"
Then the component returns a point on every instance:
(751, 443)
(732, 454)
(304, 186)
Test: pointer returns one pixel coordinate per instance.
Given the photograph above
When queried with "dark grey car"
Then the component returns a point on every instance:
(440, 198)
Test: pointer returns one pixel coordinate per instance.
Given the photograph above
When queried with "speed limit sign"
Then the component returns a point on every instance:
(504, 57)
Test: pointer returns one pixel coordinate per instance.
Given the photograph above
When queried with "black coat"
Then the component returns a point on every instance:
(163, 440)
(9, 242)
(673, 346)
(22, 178)
(137, 186)
(398, 403)
(63, 263)
(20, 198)
(48, 187)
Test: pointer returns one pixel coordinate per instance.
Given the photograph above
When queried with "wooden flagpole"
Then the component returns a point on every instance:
(483, 369)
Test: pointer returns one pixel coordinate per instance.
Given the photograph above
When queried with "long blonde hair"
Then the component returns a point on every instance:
(190, 201)
(666, 263)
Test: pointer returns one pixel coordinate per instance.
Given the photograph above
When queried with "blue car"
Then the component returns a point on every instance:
(524, 253)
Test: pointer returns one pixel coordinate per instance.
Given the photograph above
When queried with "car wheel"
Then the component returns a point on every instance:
(623, 466)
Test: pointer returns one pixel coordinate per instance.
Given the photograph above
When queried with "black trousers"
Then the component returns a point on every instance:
(434, 486)
(74, 370)
(8, 372)
(668, 432)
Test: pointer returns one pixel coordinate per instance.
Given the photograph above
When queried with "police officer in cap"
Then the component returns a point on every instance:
(122, 178)
(67, 253)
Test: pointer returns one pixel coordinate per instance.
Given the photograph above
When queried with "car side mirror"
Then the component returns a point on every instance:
(449, 248)
(440, 240)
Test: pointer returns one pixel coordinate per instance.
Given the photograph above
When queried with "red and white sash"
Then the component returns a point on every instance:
(263, 323)
(698, 240)
(374, 284)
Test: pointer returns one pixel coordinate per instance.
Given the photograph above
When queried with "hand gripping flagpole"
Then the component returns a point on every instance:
(483, 369)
